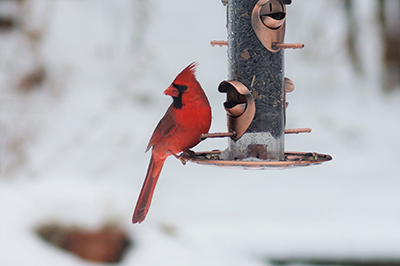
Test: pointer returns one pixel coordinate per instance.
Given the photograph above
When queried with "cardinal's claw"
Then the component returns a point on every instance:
(175, 155)
(183, 157)
(179, 157)
(189, 153)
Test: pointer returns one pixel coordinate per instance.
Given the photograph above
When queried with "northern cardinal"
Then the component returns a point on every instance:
(186, 119)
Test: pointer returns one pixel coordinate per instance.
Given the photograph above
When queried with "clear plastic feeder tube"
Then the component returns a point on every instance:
(261, 71)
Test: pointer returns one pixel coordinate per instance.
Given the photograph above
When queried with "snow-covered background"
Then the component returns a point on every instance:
(72, 147)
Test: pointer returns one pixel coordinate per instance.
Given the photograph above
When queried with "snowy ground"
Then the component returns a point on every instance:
(86, 130)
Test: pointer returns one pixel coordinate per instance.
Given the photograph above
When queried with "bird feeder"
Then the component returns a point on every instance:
(256, 91)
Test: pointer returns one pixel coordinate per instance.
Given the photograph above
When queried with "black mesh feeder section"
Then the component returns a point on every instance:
(256, 91)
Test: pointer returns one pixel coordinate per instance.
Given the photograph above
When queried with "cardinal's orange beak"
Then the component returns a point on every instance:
(171, 91)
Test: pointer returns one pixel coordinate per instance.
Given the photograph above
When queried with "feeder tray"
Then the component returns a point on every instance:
(292, 159)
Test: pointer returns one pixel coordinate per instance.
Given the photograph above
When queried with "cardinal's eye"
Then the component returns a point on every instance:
(180, 88)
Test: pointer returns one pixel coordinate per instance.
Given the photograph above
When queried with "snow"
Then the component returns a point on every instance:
(82, 137)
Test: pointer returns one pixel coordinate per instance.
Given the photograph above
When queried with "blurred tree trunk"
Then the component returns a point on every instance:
(389, 22)
(389, 18)
(352, 36)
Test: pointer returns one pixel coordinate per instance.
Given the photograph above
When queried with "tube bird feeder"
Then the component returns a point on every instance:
(256, 90)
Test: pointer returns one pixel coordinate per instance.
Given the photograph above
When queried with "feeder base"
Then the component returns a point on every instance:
(292, 159)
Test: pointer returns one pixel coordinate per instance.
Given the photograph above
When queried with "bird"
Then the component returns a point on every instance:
(188, 116)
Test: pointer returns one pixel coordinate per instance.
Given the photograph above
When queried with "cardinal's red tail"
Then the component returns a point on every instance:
(146, 194)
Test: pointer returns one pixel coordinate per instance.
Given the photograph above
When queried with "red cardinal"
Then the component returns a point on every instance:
(187, 117)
